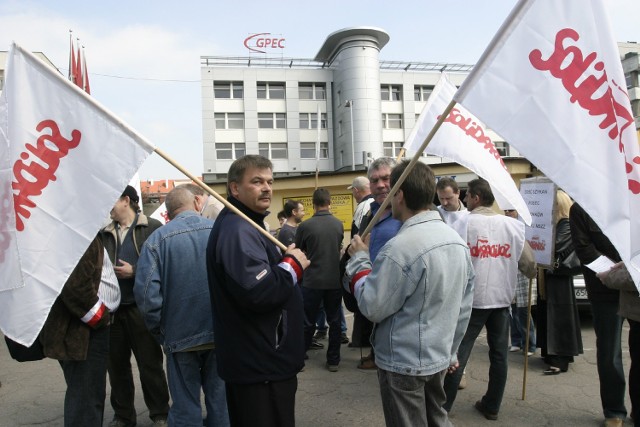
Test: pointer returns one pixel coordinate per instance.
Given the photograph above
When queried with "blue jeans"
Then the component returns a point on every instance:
(188, 372)
(321, 321)
(86, 382)
(332, 300)
(496, 320)
(608, 327)
(519, 328)
(413, 401)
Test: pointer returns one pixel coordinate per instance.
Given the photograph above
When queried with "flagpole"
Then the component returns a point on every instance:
(224, 201)
(408, 169)
(525, 346)
(400, 154)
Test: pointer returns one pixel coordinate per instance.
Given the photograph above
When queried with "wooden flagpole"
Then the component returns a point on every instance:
(224, 201)
(525, 346)
(409, 168)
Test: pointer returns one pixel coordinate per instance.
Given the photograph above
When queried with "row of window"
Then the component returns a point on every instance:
(271, 150)
(317, 91)
(269, 120)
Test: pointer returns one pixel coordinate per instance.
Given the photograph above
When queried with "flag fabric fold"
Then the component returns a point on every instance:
(464, 139)
(64, 162)
(551, 83)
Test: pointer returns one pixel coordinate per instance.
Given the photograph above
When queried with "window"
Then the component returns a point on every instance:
(502, 148)
(421, 93)
(310, 120)
(229, 120)
(271, 90)
(391, 92)
(228, 90)
(311, 91)
(391, 149)
(272, 120)
(273, 150)
(308, 150)
(230, 151)
(392, 121)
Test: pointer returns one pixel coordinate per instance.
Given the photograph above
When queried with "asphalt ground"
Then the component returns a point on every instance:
(32, 393)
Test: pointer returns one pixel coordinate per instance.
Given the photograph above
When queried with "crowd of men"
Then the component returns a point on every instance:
(235, 315)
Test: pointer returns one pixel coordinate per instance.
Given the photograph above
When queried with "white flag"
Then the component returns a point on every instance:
(464, 139)
(65, 160)
(161, 214)
(551, 83)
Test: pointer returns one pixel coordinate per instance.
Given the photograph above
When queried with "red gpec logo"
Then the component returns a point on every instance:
(255, 42)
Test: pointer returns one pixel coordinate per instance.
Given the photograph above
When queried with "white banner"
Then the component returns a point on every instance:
(464, 139)
(551, 83)
(161, 214)
(65, 160)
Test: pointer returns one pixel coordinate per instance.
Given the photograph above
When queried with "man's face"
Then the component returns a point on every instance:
(298, 213)
(281, 220)
(449, 200)
(511, 213)
(380, 183)
(255, 189)
(471, 201)
(119, 210)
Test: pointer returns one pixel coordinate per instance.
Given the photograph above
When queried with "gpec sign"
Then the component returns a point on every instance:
(256, 42)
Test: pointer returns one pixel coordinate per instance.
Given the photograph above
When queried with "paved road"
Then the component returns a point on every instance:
(32, 393)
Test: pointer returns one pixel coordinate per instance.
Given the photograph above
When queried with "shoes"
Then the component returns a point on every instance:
(344, 339)
(320, 335)
(493, 416)
(332, 368)
(316, 345)
(514, 348)
(530, 353)
(613, 422)
(552, 370)
(119, 422)
(463, 382)
(160, 422)
(367, 364)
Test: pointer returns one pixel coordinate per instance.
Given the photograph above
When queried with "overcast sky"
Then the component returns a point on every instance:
(144, 57)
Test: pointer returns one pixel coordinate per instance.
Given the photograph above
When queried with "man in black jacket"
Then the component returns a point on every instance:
(591, 243)
(257, 303)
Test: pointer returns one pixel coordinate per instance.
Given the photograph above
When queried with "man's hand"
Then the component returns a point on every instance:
(298, 255)
(124, 270)
(357, 245)
(452, 368)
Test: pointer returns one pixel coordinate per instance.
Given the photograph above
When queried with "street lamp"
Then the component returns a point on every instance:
(349, 105)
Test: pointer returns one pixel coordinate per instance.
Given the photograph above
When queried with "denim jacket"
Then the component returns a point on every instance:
(419, 292)
(171, 287)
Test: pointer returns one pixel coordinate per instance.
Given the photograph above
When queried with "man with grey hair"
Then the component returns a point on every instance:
(207, 205)
(362, 193)
(172, 292)
(385, 229)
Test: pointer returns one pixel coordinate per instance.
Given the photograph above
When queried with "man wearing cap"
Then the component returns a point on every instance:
(361, 192)
(123, 238)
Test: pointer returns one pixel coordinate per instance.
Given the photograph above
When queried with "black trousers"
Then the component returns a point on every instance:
(267, 404)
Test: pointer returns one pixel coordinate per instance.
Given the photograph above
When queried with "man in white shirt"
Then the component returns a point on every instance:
(451, 208)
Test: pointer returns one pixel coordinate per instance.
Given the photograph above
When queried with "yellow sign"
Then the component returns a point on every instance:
(341, 207)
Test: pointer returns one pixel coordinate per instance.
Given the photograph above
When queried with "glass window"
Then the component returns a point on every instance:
(307, 150)
(265, 120)
(304, 120)
(276, 91)
(321, 92)
(384, 93)
(502, 148)
(394, 121)
(416, 93)
(220, 120)
(224, 151)
(392, 149)
(222, 90)
(396, 94)
(237, 90)
(235, 120)
(324, 150)
(305, 91)
(281, 120)
(239, 149)
(263, 149)
(422, 93)
(279, 150)
(262, 91)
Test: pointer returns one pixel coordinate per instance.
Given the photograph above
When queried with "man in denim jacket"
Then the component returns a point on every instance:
(419, 292)
(172, 293)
